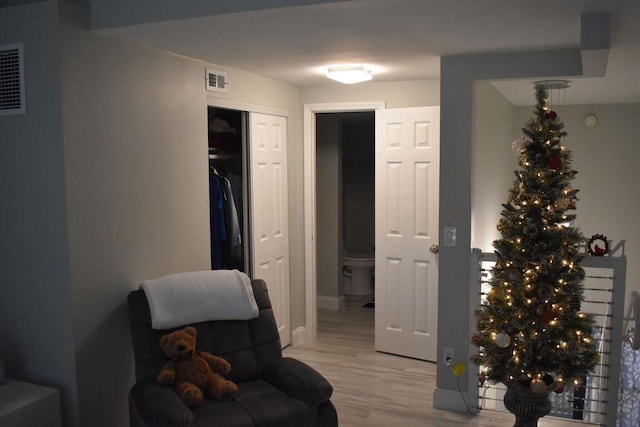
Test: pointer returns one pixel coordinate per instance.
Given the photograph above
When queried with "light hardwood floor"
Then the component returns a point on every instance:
(375, 389)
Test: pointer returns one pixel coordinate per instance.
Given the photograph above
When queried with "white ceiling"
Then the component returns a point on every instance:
(398, 39)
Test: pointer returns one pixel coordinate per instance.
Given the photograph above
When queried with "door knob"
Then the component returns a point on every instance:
(434, 249)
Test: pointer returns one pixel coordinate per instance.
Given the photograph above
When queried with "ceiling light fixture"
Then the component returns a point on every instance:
(553, 84)
(349, 74)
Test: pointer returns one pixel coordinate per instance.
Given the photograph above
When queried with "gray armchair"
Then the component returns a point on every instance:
(274, 391)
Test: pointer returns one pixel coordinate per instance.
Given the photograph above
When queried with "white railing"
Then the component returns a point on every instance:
(596, 402)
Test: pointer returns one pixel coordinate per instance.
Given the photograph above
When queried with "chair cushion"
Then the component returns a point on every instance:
(258, 404)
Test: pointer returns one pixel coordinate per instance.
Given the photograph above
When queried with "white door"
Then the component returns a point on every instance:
(269, 219)
(406, 273)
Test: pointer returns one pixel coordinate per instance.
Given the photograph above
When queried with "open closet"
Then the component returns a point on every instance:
(228, 177)
(248, 200)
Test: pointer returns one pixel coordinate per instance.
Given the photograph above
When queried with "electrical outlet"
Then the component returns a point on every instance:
(447, 356)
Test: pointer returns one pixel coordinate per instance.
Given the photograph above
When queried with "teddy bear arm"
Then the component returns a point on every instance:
(167, 374)
(217, 364)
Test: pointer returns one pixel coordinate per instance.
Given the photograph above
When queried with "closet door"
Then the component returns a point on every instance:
(269, 220)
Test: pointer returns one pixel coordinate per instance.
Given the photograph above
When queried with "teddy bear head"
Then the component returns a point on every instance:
(179, 344)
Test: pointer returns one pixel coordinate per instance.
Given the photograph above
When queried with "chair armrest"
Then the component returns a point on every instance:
(298, 379)
(160, 405)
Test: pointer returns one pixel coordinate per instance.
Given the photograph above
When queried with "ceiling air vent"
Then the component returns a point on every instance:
(11, 80)
(216, 81)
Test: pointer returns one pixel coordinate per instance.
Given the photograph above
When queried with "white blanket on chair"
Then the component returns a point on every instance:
(200, 296)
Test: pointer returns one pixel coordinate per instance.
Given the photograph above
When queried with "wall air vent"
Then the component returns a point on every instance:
(216, 81)
(11, 80)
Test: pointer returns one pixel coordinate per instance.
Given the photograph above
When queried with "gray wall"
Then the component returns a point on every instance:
(358, 183)
(137, 194)
(135, 128)
(36, 330)
(328, 198)
(493, 162)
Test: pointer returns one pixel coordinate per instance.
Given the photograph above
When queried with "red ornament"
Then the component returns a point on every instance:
(554, 163)
(559, 386)
(481, 379)
(546, 313)
(550, 115)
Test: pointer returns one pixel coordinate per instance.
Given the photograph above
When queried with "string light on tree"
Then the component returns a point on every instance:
(530, 330)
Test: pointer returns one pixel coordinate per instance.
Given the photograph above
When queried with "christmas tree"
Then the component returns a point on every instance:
(530, 329)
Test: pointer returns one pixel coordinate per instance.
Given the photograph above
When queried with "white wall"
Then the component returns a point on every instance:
(395, 94)
(493, 162)
(36, 330)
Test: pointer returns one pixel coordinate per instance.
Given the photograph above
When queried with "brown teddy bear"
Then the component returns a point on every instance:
(193, 372)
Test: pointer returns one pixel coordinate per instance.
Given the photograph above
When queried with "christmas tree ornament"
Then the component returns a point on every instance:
(503, 340)
(562, 203)
(514, 274)
(538, 386)
(476, 339)
(481, 379)
(559, 386)
(554, 163)
(546, 312)
(551, 115)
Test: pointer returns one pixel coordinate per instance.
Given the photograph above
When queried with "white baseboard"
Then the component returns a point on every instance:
(298, 336)
(449, 400)
(330, 303)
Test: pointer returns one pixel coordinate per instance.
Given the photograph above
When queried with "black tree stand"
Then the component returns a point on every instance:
(526, 405)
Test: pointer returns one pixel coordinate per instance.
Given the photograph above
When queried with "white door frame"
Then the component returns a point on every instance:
(310, 253)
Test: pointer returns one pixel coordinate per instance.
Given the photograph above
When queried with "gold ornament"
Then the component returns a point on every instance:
(538, 386)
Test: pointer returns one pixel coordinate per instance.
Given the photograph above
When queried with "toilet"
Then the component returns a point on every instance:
(357, 272)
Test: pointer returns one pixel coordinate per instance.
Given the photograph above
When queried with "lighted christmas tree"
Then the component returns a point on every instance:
(530, 330)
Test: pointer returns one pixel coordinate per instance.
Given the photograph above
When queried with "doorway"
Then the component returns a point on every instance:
(310, 202)
(406, 165)
(345, 177)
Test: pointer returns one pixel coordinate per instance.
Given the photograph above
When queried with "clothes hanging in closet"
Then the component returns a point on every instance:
(216, 221)
(232, 223)
(226, 234)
